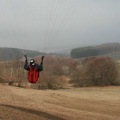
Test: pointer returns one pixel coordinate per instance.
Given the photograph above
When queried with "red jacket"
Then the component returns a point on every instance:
(33, 75)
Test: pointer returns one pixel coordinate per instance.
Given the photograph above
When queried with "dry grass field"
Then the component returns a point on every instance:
(92, 103)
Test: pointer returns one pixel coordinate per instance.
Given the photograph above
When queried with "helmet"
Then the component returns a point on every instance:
(32, 61)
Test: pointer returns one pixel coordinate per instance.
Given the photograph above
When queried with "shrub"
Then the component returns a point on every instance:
(96, 71)
(49, 81)
(53, 65)
(72, 64)
(77, 78)
(101, 71)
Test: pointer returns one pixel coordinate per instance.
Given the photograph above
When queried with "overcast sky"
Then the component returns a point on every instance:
(58, 24)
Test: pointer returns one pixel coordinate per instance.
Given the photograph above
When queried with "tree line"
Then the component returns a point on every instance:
(95, 50)
(91, 71)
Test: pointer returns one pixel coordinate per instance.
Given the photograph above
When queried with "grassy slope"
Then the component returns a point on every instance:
(14, 53)
(108, 49)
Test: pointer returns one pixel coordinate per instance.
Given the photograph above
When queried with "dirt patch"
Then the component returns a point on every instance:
(68, 104)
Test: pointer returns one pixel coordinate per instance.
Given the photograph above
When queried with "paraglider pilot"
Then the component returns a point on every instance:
(33, 69)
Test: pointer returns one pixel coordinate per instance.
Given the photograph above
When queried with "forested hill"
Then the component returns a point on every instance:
(15, 53)
(107, 48)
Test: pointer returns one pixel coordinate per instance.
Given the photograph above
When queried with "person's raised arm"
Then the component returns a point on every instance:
(42, 60)
(26, 63)
(40, 67)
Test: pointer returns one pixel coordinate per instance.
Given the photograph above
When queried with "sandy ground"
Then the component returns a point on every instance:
(97, 103)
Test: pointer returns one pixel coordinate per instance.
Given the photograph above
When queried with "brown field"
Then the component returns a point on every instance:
(93, 103)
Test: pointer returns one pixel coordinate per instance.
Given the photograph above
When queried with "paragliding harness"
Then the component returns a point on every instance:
(33, 75)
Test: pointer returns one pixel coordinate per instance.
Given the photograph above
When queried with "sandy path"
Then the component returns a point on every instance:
(69, 104)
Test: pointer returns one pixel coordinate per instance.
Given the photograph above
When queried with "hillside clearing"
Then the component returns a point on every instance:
(92, 103)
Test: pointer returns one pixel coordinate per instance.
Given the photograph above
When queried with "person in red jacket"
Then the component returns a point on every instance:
(33, 69)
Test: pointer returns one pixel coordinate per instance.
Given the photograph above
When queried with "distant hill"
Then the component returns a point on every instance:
(15, 53)
(108, 49)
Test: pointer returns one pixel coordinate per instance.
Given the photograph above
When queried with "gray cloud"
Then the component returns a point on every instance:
(58, 24)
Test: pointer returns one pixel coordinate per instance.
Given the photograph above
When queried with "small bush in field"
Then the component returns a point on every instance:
(62, 81)
(96, 71)
(54, 65)
(78, 78)
(101, 71)
(72, 64)
(49, 81)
